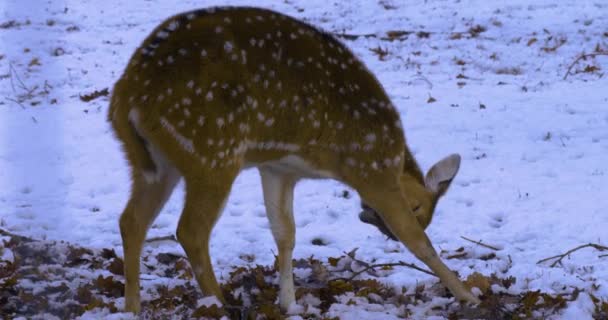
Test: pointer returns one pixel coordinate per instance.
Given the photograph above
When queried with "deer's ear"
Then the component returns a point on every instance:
(441, 174)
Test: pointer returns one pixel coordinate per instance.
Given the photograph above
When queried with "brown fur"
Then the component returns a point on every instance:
(210, 92)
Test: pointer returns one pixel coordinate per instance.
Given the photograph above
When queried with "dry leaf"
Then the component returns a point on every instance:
(94, 95)
(479, 281)
(116, 267)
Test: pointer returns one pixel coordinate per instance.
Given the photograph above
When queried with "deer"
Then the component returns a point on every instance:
(214, 91)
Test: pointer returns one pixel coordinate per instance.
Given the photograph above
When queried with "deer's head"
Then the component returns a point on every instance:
(422, 193)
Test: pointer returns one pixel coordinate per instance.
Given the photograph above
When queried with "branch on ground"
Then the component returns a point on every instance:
(560, 257)
(18, 237)
(164, 238)
(370, 267)
(390, 35)
(481, 244)
(585, 56)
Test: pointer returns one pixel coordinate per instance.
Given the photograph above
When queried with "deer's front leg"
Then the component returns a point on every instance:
(397, 215)
(278, 198)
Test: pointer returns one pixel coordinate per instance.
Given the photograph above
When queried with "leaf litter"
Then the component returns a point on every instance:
(66, 281)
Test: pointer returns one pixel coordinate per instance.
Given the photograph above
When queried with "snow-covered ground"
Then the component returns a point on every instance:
(484, 79)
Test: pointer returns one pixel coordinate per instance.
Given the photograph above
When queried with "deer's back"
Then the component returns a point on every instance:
(231, 82)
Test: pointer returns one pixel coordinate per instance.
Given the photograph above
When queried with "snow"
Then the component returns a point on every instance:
(580, 309)
(532, 182)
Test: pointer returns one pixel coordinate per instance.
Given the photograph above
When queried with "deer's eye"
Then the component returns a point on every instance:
(416, 208)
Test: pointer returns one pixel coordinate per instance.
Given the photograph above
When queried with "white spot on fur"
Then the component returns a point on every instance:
(387, 162)
(186, 143)
(370, 138)
(243, 56)
(228, 46)
(173, 25)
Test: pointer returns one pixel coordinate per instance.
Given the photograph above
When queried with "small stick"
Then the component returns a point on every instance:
(165, 238)
(16, 101)
(369, 266)
(21, 84)
(384, 36)
(481, 244)
(584, 56)
(6, 233)
(395, 264)
(560, 257)
(425, 79)
(349, 36)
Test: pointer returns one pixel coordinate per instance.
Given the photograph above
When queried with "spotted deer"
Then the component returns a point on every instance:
(214, 91)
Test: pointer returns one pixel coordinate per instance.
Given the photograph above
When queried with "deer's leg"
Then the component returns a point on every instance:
(147, 198)
(278, 198)
(205, 198)
(396, 213)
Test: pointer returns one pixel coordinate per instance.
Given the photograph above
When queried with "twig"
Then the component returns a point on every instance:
(425, 79)
(583, 57)
(481, 244)
(560, 257)
(351, 36)
(164, 238)
(15, 101)
(12, 235)
(394, 264)
(28, 92)
(352, 254)
(508, 266)
(369, 266)
(390, 35)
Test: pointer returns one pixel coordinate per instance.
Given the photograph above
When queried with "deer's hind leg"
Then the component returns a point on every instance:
(206, 195)
(149, 192)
